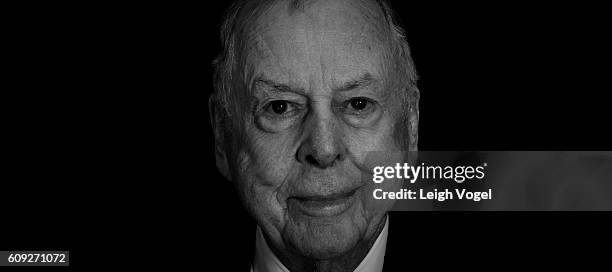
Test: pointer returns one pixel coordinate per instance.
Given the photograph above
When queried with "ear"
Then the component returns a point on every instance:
(413, 119)
(218, 125)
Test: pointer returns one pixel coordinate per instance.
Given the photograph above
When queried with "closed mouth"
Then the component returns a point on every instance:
(323, 205)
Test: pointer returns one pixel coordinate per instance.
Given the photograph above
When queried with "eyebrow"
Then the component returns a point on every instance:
(275, 86)
(362, 82)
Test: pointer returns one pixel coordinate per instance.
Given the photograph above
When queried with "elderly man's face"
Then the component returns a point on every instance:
(318, 101)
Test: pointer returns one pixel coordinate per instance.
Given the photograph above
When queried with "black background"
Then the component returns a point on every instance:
(109, 147)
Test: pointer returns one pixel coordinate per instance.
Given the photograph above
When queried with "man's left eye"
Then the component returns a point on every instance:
(358, 105)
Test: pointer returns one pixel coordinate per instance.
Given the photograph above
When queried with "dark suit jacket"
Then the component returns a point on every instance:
(453, 240)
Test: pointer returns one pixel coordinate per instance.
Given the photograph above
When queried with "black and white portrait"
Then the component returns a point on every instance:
(303, 91)
(305, 135)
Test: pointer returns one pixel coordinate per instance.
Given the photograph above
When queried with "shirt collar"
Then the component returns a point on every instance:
(266, 261)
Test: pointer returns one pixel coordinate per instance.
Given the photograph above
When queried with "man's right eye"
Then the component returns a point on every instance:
(278, 115)
(279, 107)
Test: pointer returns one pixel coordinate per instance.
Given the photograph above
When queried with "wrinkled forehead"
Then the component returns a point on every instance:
(337, 39)
(361, 17)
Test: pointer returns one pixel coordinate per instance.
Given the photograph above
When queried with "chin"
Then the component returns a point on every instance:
(324, 238)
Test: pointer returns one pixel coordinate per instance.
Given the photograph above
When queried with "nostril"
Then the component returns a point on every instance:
(311, 160)
(323, 161)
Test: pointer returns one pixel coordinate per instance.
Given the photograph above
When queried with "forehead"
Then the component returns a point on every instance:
(327, 43)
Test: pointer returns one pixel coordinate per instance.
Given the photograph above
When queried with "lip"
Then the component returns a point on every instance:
(323, 206)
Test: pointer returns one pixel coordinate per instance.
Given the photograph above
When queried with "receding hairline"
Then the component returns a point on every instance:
(251, 16)
(243, 15)
(252, 22)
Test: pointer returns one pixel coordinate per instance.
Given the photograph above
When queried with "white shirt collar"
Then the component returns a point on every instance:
(266, 260)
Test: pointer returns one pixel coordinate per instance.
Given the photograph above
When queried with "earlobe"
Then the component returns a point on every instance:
(217, 123)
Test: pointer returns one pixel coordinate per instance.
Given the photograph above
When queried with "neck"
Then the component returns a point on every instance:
(345, 262)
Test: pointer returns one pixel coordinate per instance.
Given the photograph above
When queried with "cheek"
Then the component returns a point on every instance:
(378, 138)
(272, 157)
(263, 158)
(263, 165)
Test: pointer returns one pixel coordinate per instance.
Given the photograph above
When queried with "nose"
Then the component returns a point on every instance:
(323, 146)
